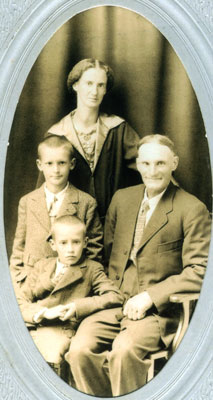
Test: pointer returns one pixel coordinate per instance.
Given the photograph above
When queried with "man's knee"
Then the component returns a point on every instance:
(121, 348)
(79, 351)
(125, 346)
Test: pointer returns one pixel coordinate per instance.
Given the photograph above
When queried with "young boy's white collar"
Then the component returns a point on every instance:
(60, 268)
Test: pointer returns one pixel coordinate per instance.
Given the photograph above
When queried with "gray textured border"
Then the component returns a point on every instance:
(26, 25)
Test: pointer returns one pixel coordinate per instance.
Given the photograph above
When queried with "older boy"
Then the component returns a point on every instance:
(65, 289)
(38, 209)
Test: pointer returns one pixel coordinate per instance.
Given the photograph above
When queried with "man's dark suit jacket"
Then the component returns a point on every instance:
(173, 251)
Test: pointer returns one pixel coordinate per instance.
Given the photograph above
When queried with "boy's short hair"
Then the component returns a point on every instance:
(160, 139)
(67, 219)
(56, 141)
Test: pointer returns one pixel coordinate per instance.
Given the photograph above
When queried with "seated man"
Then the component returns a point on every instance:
(59, 292)
(156, 239)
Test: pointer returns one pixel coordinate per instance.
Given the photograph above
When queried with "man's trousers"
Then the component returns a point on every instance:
(108, 357)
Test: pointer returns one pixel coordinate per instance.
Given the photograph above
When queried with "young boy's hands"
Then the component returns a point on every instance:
(68, 312)
(54, 312)
(62, 312)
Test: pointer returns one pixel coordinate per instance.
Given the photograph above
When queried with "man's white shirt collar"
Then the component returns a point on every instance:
(153, 202)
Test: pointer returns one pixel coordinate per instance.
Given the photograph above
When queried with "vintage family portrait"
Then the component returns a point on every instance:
(107, 208)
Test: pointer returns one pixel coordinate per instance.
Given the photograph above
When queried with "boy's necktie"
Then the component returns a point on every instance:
(62, 271)
(139, 229)
(53, 209)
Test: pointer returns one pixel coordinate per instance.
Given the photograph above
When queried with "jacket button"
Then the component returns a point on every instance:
(117, 277)
(125, 252)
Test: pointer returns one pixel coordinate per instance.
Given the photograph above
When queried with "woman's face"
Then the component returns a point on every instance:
(91, 87)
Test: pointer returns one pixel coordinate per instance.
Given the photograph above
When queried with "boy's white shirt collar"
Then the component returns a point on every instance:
(59, 267)
(50, 195)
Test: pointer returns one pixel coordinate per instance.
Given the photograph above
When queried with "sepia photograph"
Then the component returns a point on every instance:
(107, 203)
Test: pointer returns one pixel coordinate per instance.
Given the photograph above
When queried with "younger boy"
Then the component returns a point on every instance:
(38, 209)
(59, 292)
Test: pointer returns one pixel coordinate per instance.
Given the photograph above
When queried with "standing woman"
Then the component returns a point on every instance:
(105, 145)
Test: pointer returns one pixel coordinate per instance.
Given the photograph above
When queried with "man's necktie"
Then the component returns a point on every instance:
(53, 209)
(139, 229)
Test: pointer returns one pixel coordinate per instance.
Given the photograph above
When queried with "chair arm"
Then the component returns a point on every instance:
(187, 300)
(183, 297)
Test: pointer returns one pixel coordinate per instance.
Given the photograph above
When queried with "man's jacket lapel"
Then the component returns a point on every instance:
(159, 217)
(134, 203)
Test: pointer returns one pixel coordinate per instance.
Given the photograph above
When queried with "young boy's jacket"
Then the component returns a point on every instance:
(86, 284)
(33, 227)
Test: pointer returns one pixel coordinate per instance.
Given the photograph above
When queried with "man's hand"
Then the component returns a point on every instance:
(68, 312)
(136, 307)
(54, 312)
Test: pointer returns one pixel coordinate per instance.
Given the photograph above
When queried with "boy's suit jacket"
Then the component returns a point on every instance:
(86, 284)
(30, 243)
(173, 251)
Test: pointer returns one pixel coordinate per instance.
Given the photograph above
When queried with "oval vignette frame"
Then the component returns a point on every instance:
(26, 27)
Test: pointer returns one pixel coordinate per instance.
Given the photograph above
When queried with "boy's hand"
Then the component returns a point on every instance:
(69, 312)
(54, 312)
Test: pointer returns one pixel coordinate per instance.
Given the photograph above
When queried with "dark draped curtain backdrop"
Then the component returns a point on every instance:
(152, 92)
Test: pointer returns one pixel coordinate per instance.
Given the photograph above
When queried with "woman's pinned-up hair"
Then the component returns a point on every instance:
(83, 65)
